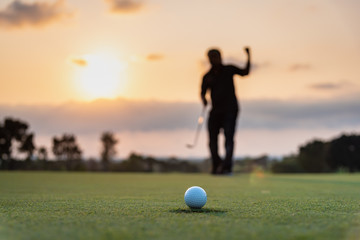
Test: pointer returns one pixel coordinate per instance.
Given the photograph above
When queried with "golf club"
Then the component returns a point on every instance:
(199, 125)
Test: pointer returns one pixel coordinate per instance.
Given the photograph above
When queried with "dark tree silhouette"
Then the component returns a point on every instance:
(66, 148)
(289, 164)
(42, 153)
(108, 151)
(27, 146)
(135, 163)
(5, 143)
(312, 156)
(344, 152)
(15, 130)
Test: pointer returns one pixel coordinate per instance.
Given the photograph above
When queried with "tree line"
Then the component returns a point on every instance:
(316, 156)
(339, 154)
(16, 138)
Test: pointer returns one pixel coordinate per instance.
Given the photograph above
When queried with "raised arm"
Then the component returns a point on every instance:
(248, 64)
(245, 71)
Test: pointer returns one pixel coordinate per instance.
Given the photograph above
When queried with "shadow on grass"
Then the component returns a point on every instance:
(212, 211)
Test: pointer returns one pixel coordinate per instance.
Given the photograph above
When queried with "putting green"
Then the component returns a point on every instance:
(47, 205)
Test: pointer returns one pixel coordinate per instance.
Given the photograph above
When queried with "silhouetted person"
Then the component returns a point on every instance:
(225, 108)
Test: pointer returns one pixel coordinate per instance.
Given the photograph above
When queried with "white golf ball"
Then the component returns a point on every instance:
(195, 197)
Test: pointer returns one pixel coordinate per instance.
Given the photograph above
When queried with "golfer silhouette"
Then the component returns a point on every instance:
(223, 115)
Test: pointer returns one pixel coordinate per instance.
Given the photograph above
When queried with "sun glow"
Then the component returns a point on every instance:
(100, 76)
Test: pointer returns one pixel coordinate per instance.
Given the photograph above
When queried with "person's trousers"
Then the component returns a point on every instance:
(226, 122)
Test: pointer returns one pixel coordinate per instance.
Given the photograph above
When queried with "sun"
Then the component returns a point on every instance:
(100, 75)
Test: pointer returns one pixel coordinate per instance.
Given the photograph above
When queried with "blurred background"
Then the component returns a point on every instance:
(133, 68)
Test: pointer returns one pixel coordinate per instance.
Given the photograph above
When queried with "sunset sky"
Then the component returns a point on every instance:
(134, 67)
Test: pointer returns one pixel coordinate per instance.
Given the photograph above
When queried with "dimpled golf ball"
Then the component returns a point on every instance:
(195, 197)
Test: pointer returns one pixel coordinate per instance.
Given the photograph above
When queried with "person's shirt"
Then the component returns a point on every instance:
(220, 82)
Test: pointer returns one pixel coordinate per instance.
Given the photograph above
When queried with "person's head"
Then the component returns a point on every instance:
(214, 57)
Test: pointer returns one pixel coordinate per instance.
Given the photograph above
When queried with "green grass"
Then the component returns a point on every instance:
(43, 205)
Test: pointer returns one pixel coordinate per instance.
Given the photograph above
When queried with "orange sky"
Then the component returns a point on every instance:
(57, 51)
(295, 46)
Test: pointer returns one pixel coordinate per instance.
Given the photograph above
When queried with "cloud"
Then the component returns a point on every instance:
(325, 86)
(154, 57)
(125, 6)
(330, 85)
(126, 115)
(300, 67)
(116, 115)
(19, 13)
(80, 62)
(276, 114)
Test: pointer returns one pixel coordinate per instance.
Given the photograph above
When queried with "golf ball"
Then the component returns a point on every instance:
(195, 197)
